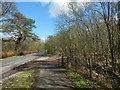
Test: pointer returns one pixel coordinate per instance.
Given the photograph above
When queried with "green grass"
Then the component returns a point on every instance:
(20, 80)
(118, 61)
(79, 82)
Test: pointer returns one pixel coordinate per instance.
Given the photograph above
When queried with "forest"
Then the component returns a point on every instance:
(88, 41)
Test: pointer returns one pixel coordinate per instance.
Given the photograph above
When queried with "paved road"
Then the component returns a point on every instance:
(11, 63)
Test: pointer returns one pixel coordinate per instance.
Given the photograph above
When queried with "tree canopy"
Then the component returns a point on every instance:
(16, 25)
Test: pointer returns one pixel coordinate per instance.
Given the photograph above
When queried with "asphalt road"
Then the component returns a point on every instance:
(11, 63)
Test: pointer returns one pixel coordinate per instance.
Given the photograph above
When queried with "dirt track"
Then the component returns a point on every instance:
(50, 75)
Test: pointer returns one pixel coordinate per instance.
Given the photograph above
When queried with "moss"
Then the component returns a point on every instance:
(20, 80)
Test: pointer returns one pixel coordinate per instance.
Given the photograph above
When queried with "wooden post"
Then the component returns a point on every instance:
(67, 62)
(90, 66)
(62, 62)
(76, 65)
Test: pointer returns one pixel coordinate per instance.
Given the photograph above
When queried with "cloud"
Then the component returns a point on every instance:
(58, 7)
(43, 39)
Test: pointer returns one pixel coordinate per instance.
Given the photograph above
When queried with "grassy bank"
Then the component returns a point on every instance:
(80, 82)
(22, 79)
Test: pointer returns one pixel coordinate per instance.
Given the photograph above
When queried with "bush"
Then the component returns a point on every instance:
(8, 54)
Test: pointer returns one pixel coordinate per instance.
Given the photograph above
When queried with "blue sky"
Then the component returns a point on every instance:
(39, 12)
(43, 12)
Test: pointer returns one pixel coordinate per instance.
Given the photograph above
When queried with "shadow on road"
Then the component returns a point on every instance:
(47, 74)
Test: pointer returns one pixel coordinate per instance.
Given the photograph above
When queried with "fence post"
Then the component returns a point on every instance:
(62, 62)
(90, 66)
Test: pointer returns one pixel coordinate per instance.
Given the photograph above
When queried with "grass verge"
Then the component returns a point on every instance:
(22, 79)
(80, 82)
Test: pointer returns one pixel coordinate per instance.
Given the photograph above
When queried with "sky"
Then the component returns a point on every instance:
(44, 14)
(39, 12)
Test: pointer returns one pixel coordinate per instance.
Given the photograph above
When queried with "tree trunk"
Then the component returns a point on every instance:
(107, 22)
(111, 47)
(17, 48)
(119, 28)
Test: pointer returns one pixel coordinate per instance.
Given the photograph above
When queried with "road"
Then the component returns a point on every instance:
(11, 63)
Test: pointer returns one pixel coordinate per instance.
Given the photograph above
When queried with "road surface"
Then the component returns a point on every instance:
(11, 63)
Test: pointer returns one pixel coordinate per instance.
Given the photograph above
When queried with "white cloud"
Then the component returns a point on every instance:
(43, 39)
(58, 6)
